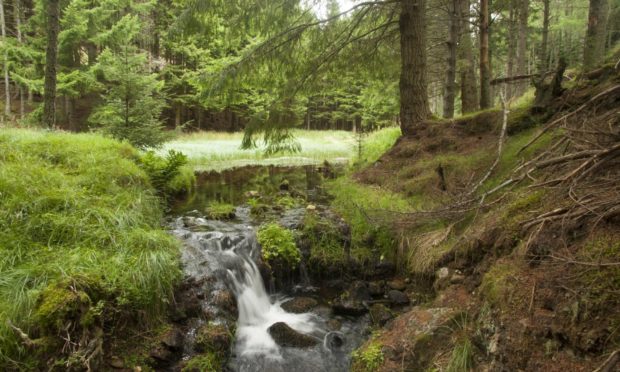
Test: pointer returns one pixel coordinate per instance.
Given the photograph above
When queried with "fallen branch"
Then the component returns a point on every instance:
(610, 364)
(23, 336)
(564, 117)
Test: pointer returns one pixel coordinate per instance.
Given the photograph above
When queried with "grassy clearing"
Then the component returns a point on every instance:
(80, 240)
(219, 151)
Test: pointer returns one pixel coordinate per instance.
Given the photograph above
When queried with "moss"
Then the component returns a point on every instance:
(278, 244)
(59, 304)
(207, 362)
(367, 359)
(324, 240)
(498, 283)
(220, 211)
(213, 337)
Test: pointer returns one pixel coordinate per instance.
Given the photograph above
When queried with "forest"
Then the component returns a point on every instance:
(310, 185)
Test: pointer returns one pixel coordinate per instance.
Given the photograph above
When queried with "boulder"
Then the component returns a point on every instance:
(397, 284)
(213, 337)
(376, 288)
(284, 335)
(299, 305)
(398, 297)
(353, 301)
(379, 314)
(173, 339)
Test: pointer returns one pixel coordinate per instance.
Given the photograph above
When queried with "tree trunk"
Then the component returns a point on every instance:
(414, 106)
(469, 90)
(543, 63)
(450, 88)
(485, 62)
(594, 50)
(512, 33)
(51, 54)
(7, 87)
(523, 12)
(17, 14)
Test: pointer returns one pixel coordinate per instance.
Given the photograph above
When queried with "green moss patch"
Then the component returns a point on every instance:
(278, 244)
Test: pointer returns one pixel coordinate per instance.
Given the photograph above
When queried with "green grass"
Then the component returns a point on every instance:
(219, 151)
(80, 238)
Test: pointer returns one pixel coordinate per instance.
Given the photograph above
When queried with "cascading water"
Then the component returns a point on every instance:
(224, 254)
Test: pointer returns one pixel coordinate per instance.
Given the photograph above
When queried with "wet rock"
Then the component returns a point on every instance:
(397, 284)
(335, 340)
(376, 288)
(116, 362)
(213, 337)
(161, 354)
(334, 325)
(353, 301)
(188, 306)
(284, 335)
(225, 300)
(379, 314)
(299, 305)
(173, 339)
(397, 297)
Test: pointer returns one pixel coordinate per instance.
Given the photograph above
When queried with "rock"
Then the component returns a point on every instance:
(376, 288)
(161, 353)
(457, 278)
(311, 207)
(397, 297)
(397, 284)
(335, 340)
(116, 362)
(384, 269)
(213, 337)
(252, 194)
(173, 339)
(334, 324)
(284, 335)
(225, 300)
(379, 314)
(353, 301)
(299, 305)
(442, 273)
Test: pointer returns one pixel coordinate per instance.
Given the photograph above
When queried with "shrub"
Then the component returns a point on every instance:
(165, 172)
(278, 243)
(368, 359)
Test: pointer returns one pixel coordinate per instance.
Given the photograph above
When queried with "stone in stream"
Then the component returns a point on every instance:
(376, 288)
(353, 301)
(397, 297)
(173, 339)
(284, 335)
(299, 305)
(397, 284)
(379, 314)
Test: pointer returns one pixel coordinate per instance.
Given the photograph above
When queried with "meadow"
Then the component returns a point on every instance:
(219, 150)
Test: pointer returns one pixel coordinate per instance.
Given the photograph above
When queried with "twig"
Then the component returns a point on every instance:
(23, 336)
(609, 364)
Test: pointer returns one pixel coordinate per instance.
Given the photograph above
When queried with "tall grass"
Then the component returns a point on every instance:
(77, 208)
(218, 151)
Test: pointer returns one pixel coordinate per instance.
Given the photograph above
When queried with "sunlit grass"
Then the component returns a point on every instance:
(217, 150)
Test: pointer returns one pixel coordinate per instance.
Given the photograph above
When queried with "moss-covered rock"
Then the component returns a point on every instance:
(213, 337)
(284, 335)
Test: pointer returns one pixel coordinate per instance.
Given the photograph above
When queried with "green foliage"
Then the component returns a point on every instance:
(278, 244)
(462, 356)
(325, 240)
(80, 237)
(210, 361)
(498, 282)
(167, 174)
(132, 102)
(369, 358)
(220, 211)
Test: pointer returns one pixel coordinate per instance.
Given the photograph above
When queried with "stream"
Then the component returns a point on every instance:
(221, 259)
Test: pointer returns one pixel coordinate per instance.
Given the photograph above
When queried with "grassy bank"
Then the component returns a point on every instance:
(218, 151)
(81, 247)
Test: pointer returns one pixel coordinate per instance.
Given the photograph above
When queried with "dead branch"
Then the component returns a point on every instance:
(564, 117)
(23, 336)
(610, 364)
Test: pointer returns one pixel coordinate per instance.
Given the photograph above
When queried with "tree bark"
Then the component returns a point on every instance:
(450, 87)
(594, 50)
(469, 90)
(51, 56)
(485, 63)
(543, 63)
(17, 12)
(523, 12)
(512, 34)
(414, 106)
(7, 87)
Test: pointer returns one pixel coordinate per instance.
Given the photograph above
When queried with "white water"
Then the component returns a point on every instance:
(257, 313)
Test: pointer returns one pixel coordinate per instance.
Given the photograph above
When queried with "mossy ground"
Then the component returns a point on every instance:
(80, 239)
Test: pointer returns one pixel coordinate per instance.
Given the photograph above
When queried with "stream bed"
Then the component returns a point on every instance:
(221, 260)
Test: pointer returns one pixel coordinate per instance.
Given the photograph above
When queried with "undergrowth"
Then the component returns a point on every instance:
(80, 239)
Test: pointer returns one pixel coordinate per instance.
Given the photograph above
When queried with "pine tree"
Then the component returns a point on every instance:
(132, 102)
